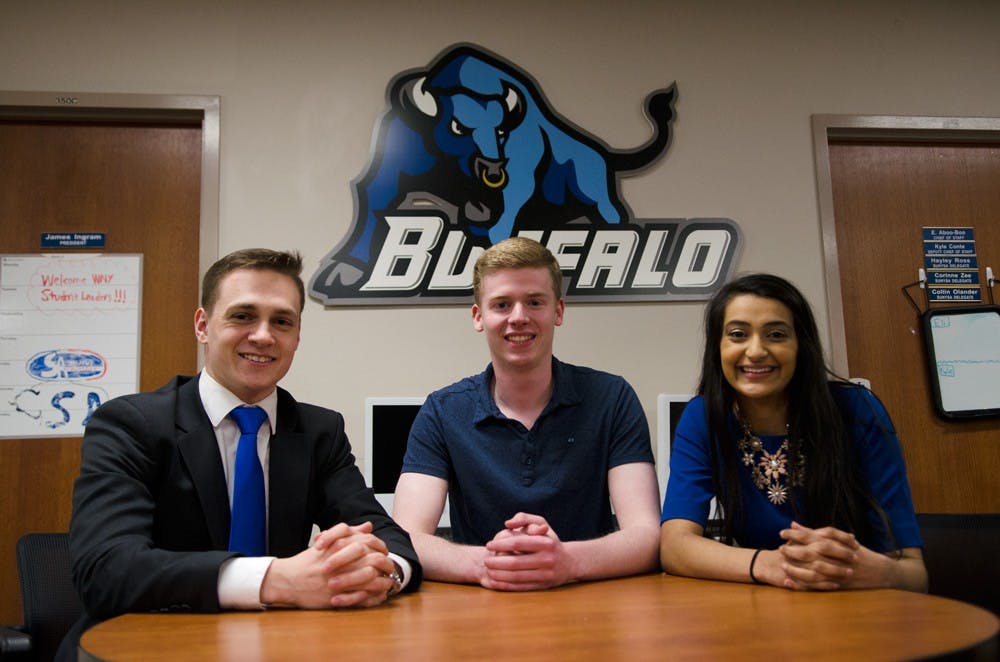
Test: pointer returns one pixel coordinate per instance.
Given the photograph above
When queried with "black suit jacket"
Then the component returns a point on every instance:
(150, 523)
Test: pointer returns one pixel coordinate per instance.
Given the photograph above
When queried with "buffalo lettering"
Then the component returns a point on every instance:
(674, 257)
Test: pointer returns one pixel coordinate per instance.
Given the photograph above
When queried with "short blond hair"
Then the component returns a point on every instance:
(516, 253)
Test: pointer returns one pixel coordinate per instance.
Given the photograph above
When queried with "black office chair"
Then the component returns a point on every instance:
(962, 555)
(50, 602)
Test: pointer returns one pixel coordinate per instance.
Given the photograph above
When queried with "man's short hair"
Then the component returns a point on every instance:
(288, 263)
(516, 253)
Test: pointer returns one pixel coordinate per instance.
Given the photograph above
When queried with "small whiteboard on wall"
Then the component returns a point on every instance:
(69, 339)
(963, 347)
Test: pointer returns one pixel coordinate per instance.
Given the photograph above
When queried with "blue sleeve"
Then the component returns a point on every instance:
(426, 451)
(882, 459)
(689, 487)
(631, 442)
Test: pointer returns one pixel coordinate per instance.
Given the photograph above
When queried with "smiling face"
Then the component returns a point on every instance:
(519, 312)
(251, 333)
(758, 349)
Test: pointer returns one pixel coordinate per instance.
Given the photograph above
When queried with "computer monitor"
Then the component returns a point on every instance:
(669, 408)
(387, 427)
(668, 412)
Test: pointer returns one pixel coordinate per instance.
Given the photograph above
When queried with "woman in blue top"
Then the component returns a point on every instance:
(806, 468)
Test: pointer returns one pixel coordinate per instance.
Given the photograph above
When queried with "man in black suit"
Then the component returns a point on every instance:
(151, 507)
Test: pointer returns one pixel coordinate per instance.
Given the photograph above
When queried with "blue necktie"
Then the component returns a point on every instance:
(247, 531)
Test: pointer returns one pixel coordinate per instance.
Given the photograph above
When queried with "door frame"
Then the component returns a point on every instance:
(927, 130)
(162, 112)
(163, 108)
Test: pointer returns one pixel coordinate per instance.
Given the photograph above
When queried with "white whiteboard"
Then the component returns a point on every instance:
(964, 346)
(69, 339)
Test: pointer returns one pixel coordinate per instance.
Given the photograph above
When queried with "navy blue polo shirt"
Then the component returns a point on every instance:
(495, 467)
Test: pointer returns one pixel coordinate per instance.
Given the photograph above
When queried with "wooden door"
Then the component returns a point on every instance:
(140, 184)
(883, 194)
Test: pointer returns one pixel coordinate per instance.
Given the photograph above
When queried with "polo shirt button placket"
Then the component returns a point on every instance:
(528, 462)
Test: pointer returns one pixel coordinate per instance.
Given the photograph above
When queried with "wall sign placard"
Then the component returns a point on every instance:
(69, 339)
(951, 265)
(72, 240)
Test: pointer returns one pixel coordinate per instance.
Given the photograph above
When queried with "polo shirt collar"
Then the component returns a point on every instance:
(563, 393)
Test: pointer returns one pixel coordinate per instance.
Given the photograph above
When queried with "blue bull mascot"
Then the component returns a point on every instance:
(474, 137)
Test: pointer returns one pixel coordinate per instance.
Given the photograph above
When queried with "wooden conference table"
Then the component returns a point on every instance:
(639, 618)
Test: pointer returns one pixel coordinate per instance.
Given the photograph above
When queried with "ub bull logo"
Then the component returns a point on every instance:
(469, 153)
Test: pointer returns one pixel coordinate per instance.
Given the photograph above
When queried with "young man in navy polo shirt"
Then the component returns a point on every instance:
(533, 452)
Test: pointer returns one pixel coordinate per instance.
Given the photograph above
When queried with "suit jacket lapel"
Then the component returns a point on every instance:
(200, 450)
(288, 482)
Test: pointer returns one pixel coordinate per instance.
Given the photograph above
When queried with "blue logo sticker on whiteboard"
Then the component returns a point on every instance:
(66, 364)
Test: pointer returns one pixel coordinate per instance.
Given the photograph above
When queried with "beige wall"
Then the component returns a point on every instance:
(302, 84)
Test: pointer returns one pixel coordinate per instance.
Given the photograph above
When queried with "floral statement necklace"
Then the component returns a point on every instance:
(770, 471)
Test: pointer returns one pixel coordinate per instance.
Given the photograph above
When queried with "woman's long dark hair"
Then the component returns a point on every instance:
(835, 492)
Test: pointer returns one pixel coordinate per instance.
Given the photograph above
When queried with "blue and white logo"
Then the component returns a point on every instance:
(470, 152)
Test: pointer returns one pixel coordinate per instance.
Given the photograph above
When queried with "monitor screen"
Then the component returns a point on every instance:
(963, 348)
(669, 408)
(387, 427)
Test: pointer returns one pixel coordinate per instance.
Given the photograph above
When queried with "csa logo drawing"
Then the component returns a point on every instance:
(469, 152)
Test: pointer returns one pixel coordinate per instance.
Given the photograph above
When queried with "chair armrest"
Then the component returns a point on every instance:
(15, 644)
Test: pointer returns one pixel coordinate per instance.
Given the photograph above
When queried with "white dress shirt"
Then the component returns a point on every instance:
(240, 578)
